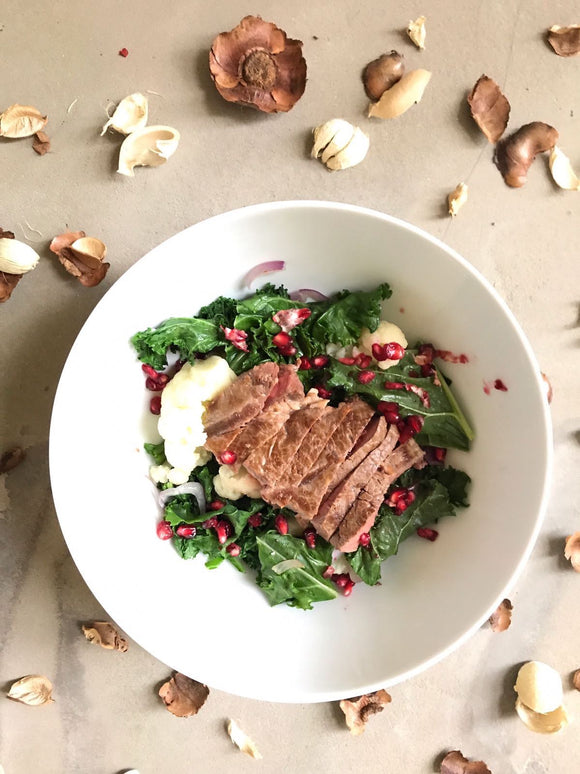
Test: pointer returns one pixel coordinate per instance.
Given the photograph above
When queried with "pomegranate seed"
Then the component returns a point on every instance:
(415, 422)
(427, 351)
(185, 531)
(499, 385)
(379, 353)
(427, 370)
(255, 520)
(366, 376)
(394, 351)
(410, 497)
(390, 411)
(281, 340)
(210, 523)
(281, 524)
(341, 580)
(320, 361)
(228, 457)
(149, 371)
(215, 505)
(396, 495)
(394, 386)
(439, 453)
(155, 405)
(409, 427)
(347, 360)
(236, 337)
(401, 507)
(222, 530)
(414, 374)
(164, 530)
(304, 364)
(124, 52)
(233, 549)
(362, 360)
(427, 533)
(365, 540)
(287, 351)
(323, 392)
(156, 385)
(347, 590)
(310, 537)
(329, 572)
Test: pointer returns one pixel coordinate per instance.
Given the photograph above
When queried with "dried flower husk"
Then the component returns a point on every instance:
(242, 740)
(256, 64)
(501, 618)
(457, 198)
(514, 154)
(489, 107)
(151, 146)
(562, 172)
(339, 145)
(21, 121)
(400, 97)
(456, 763)
(358, 711)
(81, 256)
(33, 690)
(11, 459)
(41, 143)
(572, 550)
(103, 633)
(417, 31)
(16, 257)
(565, 40)
(130, 114)
(183, 696)
(382, 73)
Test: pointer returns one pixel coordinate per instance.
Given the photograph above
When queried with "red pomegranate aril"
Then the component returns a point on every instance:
(365, 377)
(394, 351)
(222, 531)
(289, 351)
(379, 353)
(427, 370)
(329, 572)
(310, 537)
(149, 371)
(186, 531)
(320, 361)
(396, 495)
(304, 364)
(341, 580)
(215, 505)
(394, 386)
(281, 524)
(362, 360)
(499, 385)
(155, 405)
(323, 392)
(228, 457)
(156, 385)
(415, 422)
(427, 351)
(347, 360)
(427, 533)
(390, 411)
(233, 549)
(255, 520)
(210, 523)
(365, 540)
(282, 340)
(164, 530)
(410, 497)
(439, 453)
(347, 589)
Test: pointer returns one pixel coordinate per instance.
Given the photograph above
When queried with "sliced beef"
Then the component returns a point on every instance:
(268, 462)
(372, 436)
(314, 485)
(362, 514)
(241, 401)
(336, 505)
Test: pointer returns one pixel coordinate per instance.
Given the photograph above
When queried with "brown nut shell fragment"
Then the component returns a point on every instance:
(7, 281)
(400, 97)
(457, 198)
(81, 256)
(565, 40)
(572, 550)
(33, 690)
(576, 679)
(256, 64)
(547, 387)
(183, 696)
(65, 240)
(41, 143)
(21, 121)
(514, 154)
(456, 763)
(103, 633)
(11, 458)
(358, 711)
(501, 619)
(542, 722)
(489, 107)
(242, 740)
(382, 73)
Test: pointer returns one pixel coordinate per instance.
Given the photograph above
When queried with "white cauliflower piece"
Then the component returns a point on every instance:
(384, 334)
(159, 474)
(231, 485)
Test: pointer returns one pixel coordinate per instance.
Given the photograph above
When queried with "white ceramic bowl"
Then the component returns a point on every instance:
(216, 625)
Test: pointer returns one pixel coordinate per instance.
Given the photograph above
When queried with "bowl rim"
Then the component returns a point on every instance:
(314, 204)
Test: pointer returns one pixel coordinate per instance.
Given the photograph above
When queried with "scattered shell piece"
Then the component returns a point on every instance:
(183, 696)
(7, 281)
(565, 40)
(147, 147)
(33, 690)
(539, 687)
(562, 172)
(41, 143)
(81, 256)
(242, 740)
(417, 32)
(457, 199)
(382, 73)
(65, 240)
(548, 387)
(130, 114)
(576, 679)
(358, 711)
(339, 145)
(400, 97)
(456, 763)
(21, 121)
(103, 633)
(542, 723)
(16, 257)
(572, 550)
(489, 107)
(6, 234)
(514, 154)
(11, 459)
(256, 64)
(501, 619)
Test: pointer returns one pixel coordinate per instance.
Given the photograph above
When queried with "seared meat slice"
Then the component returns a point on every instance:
(372, 436)
(314, 485)
(336, 505)
(241, 401)
(362, 514)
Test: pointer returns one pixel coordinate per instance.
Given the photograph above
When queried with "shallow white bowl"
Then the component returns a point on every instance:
(216, 625)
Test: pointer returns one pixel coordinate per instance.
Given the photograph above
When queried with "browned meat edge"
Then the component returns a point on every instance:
(372, 436)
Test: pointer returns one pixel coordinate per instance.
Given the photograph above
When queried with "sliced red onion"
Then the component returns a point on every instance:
(308, 293)
(190, 488)
(287, 564)
(262, 268)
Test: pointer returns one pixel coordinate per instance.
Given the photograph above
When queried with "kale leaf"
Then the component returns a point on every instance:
(156, 451)
(187, 334)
